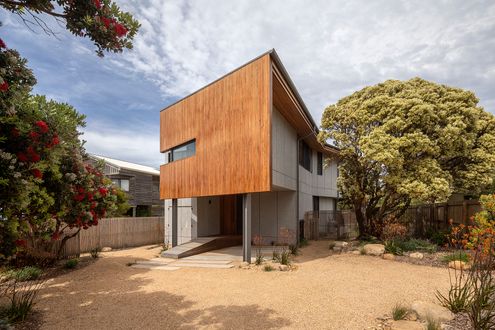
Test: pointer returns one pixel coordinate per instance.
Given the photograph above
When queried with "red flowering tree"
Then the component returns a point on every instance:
(102, 21)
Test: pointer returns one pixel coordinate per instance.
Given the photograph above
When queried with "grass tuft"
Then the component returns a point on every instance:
(71, 263)
(268, 268)
(456, 256)
(399, 312)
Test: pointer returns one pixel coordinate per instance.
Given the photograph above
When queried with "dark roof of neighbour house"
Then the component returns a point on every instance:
(120, 164)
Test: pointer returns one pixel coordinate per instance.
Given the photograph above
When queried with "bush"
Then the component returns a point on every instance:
(303, 242)
(459, 255)
(432, 324)
(285, 258)
(259, 259)
(28, 273)
(268, 268)
(416, 245)
(399, 312)
(71, 263)
(276, 256)
(439, 238)
(391, 247)
(460, 293)
(95, 253)
(394, 231)
(294, 249)
(331, 245)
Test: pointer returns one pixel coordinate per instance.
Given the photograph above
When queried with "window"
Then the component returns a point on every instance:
(185, 150)
(304, 155)
(121, 183)
(319, 164)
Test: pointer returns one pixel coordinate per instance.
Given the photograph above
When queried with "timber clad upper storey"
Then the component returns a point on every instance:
(219, 140)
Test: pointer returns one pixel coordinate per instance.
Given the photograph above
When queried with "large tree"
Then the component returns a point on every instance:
(408, 141)
(102, 21)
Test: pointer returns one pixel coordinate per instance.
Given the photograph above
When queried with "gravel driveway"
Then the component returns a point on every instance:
(325, 292)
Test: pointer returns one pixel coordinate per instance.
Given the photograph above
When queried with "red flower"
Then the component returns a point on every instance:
(97, 4)
(37, 173)
(2, 44)
(107, 21)
(33, 156)
(79, 197)
(20, 243)
(34, 135)
(15, 132)
(90, 196)
(22, 157)
(4, 86)
(120, 30)
(103, 191)
(55, 140)
(42, 126)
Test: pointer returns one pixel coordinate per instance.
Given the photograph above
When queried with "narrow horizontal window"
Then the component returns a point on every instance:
(185, 150)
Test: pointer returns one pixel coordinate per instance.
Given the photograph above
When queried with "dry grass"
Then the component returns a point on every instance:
(333, 292)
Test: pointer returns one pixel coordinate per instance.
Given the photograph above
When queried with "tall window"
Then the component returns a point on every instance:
(319, 165)
(185, 150)
(304, 155)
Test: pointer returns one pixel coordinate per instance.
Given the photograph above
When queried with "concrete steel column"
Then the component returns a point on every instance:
(246, 228)
(174, 222)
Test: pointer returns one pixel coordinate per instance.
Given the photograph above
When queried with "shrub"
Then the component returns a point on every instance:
(439, 238)
(259, 259)
(394, 231)
(458, 255)
(28, 273)
(432, 324)
(294, 249)
(303, 242)
(399, 312)
(362, 251)
(460, 293)
(276, 256)
(391, 247)
(331, 245)
(285, 258)
(71, 263)
(416, 245)
(268, 268)
(95, 253)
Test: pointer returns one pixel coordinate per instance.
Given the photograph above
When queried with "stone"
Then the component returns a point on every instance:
(406, 325)
(416, 255)
(106, 249)
(427, 309)
(374, 249)
(341, 244)
(357, 252)
(283, 268)
(388, 256)
(337, 249)
(458, 264)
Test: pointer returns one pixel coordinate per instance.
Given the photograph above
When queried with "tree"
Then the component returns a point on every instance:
(408, 141)
(102, 21)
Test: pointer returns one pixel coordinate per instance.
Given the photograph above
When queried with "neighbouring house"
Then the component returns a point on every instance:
(242, 159)
(141, 183)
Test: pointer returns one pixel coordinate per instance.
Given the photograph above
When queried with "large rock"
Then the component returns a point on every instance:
(388, 256)
(341, 244)
(416, 255)
(434, 311)
(374, 249)
(106, 249)
(406, 325)
(458, 264)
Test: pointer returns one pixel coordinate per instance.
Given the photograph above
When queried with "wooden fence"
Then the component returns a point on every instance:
(117, 233)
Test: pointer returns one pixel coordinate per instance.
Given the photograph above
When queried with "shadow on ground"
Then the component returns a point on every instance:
(110, 295)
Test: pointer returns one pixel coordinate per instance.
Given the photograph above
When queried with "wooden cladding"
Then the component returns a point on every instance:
(230, 120)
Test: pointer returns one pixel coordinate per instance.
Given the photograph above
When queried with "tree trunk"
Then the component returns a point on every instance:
(64, 240)
(361, 220)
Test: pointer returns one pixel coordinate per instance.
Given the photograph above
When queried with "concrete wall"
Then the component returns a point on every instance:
(284, 153)
(187, 220)
(208, 211)
(271, 213)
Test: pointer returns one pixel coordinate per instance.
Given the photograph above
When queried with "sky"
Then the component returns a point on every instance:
(330, 49)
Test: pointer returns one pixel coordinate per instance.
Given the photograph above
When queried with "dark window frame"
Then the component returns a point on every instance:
(305, 155)
(319, 163)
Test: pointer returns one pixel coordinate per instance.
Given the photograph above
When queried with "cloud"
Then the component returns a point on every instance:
(330, 48)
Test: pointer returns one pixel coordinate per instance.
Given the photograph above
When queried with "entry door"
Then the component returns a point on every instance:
(231, 215)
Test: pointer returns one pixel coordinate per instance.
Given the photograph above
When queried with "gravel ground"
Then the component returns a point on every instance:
(325, 292)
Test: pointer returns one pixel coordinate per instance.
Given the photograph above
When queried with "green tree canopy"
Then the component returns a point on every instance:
(408, 141)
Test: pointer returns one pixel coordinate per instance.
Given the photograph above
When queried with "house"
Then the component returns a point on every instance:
(242, 158)
(141, 183)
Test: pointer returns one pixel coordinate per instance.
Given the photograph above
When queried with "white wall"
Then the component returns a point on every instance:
(284, 153)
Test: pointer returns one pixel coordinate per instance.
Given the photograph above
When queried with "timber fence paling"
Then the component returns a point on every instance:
(117, 233)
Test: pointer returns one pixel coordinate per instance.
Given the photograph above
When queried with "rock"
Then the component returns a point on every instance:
(427, 309)
(374, 249)
(106, 249)
(388, 256)
(356, 252)
(411, 317)
(416, 255)
(457, 264)
(244, 264)
(341, 244)
(406, 325)
(337, 249)
(283, 268)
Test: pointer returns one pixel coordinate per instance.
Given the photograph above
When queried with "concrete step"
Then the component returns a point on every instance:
(202, 265)
(162, 267)
(199, 261)
(200, 245)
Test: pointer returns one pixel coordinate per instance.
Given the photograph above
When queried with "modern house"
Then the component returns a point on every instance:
(242, 159)
(141, 183)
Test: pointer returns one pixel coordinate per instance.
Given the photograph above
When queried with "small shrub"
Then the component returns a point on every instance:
(285, 258)
(294, 249)
(399, 312)
(259, 259)
(303, 242)
(460, 293)
(432, 324)
(415, 245)
(276, 256)
(268, 268)
(71, 263)
(331, 245)
(95, 253)
(392, 247)
(27, 273)
(362, 251)
(458, 255)
(394, 231)
(439, 238)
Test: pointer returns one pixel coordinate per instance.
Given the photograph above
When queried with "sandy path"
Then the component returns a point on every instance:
(326, 292)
